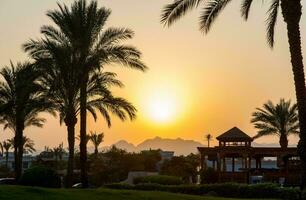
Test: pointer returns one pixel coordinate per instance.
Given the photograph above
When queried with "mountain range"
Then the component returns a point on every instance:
(179, 146)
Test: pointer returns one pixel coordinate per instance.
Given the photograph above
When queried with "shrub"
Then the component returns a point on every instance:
(232, 190)
(120, 186)
(40, 176)
(159, 179)
(209, 176)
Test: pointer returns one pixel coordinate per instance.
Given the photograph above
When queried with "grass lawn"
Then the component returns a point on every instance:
(33, 193)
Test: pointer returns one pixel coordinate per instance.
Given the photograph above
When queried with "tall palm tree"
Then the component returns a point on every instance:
(62, 81)
(7, 146)
(96, 139)
(93, 47)
(21, 100)
(208, 138)
(280, 119)
(291, 11)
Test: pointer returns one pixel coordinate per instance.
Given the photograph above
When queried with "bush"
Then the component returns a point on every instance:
(159, 179)
(209, 176)
(231, 190)
(40, 176)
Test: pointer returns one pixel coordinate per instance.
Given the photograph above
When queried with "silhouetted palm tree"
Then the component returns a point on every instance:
(21, 100)
(291, 11)
(6, 145)
(280, 119)
(208, 138)
(58, 152)
(61, 79)
(96, 139)
(28, 145)
(93, 46)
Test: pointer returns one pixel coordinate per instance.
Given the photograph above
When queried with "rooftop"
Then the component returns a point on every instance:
(234, 135)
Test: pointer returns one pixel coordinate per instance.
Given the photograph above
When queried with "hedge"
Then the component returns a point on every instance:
(40, 176)
(159, 179)
(231, 190)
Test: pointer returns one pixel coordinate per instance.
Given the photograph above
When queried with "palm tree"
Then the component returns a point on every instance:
(28, 145)
(280, 119)
(208, 138)
(93, 47)
(6, 145)
(21, 100)
(61, 80)
(96, 139)
(291, 11)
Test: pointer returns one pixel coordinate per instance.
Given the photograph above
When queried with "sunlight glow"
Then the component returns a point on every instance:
(162, 108)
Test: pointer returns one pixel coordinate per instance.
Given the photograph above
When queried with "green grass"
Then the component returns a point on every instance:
(34, 193)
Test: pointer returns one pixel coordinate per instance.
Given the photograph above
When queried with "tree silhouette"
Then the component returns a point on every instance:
(93, 47)
(208, 138)
(280, 119)
(291, 11)
(96, 139)
(7, 146)
(21, 100)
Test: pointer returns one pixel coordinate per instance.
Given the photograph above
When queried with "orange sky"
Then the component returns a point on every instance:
(213, 82)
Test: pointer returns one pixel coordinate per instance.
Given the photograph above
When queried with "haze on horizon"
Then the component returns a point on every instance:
(196, 84)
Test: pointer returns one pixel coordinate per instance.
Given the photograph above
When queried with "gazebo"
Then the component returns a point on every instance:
(235, 147)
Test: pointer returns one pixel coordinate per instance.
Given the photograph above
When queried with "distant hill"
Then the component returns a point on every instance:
(179, 146)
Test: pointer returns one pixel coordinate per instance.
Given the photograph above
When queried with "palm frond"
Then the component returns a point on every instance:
(174, 11)
(211, 12)
(245, 8)
(271, 21)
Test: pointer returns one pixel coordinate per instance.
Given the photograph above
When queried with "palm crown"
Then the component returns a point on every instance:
(280, 119)
(21, 97)
(96, 139)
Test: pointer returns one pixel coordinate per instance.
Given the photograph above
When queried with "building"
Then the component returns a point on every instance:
(235, 149)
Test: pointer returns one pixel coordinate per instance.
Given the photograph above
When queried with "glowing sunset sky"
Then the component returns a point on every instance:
(208, 84)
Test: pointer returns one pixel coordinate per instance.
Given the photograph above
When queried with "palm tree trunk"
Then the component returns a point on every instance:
(6, 158)
(70, 123)
(83, 138)
(283, 141)
(18, 151)
(292, 11)
(96, 150)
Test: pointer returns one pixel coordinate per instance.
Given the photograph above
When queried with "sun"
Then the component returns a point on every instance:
(162, 108)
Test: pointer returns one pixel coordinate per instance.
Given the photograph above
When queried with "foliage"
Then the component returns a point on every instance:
(40, 176)
(209, 176)
(159, 179)
(96, 139)
(115, 164)
(230, 190)
(5, 171)
(181, 166)
(280, 119)
(27, 143)
(21, 100)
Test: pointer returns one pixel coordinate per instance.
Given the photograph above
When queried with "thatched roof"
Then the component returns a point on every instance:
(234, 135)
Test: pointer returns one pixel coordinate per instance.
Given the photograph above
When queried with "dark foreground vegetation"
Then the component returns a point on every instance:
(230, 190)
(33, 193)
